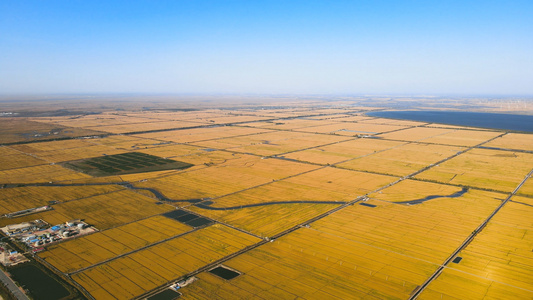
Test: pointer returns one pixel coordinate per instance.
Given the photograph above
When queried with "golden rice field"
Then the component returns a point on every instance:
(234, 174)
(403, 160)
(201, 134)
(342, 151)
(85, 251)
(497, 264)
(351, 129)
(132, 275)
(250, 167)
(310, 264)
(25, 130)
(411, 190)
(429, 231)
(20, 198)
(13, 159)
(517, 141)
(41, 173)
(272, 143)
(103, 211)
(266, 221)
(482, 168)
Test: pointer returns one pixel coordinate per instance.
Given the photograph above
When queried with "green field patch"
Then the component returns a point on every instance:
(125, 163)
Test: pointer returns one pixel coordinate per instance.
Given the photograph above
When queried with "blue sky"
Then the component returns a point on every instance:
(267, 47)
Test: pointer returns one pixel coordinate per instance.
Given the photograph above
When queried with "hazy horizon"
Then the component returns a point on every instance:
(395, 48)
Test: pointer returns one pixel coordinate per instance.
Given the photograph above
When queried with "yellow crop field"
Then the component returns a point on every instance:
(417, 134)
(274, 143)
(490, 169)
(463, 137)
(172, 151)
(20, 198)
(412, 190)
(12, 159)
(497, 264)
(69, 150)
(145, 126)
(312, 264)
(102, 211)
(41, 173)
(124, 142)
(518, 141)
(243, 172)
(392, 122)
(403, 160)
(429, 231)
(269, 220)
(351, 129)
(338, 152)
(291, 124)
(200, 134)
(129, 276)
(79, 253)
(527, 188)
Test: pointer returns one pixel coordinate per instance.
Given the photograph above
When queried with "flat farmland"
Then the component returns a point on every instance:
(103, 211)
(83, 252)
(20, 198)
(132, 275)
(429, 231)
(402, 160)
(266, 221)
(291, 124)
(40, 173)
(201, 134)
(272, 143)
(236, 173)
(352, 129)
(17, 130)
(497, 264)
(13, 159)
(338, 152)
(310, 264)
(69, 150)
(322, 188)
(517, 141)
(482, 168)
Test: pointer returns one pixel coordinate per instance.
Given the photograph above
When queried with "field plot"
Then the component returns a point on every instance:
(236, 173)
(308, 264)
(20, 198)
(146, 126)
(201, 134)
(322, 188)
(12, 159)
(429, 231)
(173, 150)
(60, 151)
(22, 130)
(527, 188)
(392, 122)
(403, 160)
(351, 129)
(103, 211)
(417, 134)
(290, 124)
(516, 141)
(42, 173)
(132, 275)
(497, 264)
(95, 248)
(125, 163)
(272, 143)
(268, 220)
(419, 191)
(489, 169)
(332, 154)
(463, 137)
(96, 120)
(124, 142)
